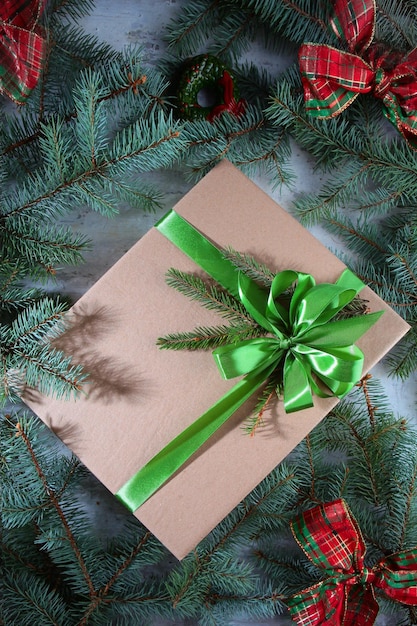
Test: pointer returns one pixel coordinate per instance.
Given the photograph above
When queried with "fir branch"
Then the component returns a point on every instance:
(204, 338)
(99, 596)
(13, 295)
(256, 605)
(229, 134)
(35, 323)
(362, 239)
(194, 22)
(146, 145)
(270, 392)
(402, 359)
(245, 263)
(41, 246)
(394, 292)
(35, 595)
(131, 80)
(69, 8)
(297, 21)
(235, 33)
(178, 585)
(407, 516)
(393, 22)
(248, 142)
(363, 385)
(211, 296)
(55, 503)
(336, 192)
(47, 370)
(28, 357)
(271, 159)
(363, 449)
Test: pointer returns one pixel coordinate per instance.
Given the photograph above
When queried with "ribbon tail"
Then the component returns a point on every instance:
(405, 123)
(297, 388)
(165, 463)
(398, 576)
(361, 607)
(322, 604)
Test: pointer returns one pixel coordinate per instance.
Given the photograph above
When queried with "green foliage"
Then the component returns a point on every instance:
(210, 295)
(80, 164)
(370, 172)
(371, 457)
(27, 355)
(86, 143)
(245, 263)
(227, 30)
(242, 326)
(90, 140)
(58, 568)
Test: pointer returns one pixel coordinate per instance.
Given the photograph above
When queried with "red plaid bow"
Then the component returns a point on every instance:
(330, 537)
(333, 78)
(21, 47)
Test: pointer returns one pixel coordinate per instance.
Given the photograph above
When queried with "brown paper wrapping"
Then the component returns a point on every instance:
(140, 397)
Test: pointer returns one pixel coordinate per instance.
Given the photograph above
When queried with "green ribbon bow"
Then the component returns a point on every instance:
(302, 335)
(315, 350)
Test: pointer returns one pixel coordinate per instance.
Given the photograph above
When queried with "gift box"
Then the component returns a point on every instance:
(139, 398)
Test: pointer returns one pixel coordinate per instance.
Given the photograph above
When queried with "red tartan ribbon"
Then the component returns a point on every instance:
(21, 47)
(333, 78)
(330, 537)
(230, 104)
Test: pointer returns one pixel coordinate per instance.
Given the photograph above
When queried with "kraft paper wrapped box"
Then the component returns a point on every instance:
(140, 397)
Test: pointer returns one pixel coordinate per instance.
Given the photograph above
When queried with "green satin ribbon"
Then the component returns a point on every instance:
(316, 351)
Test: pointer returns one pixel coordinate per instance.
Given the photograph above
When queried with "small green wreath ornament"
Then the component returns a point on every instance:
(206, 89)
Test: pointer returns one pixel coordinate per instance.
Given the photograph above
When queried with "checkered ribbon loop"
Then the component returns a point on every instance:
(333, 78)
(21, 47)
(330, 537)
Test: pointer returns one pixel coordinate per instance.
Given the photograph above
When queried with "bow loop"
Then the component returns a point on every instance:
(340, 332)
(281, 283)
(319, 305)
(330, 537)
(246, 356)
(354, 21)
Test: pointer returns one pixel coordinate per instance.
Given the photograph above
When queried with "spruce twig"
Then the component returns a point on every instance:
(210, 295)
